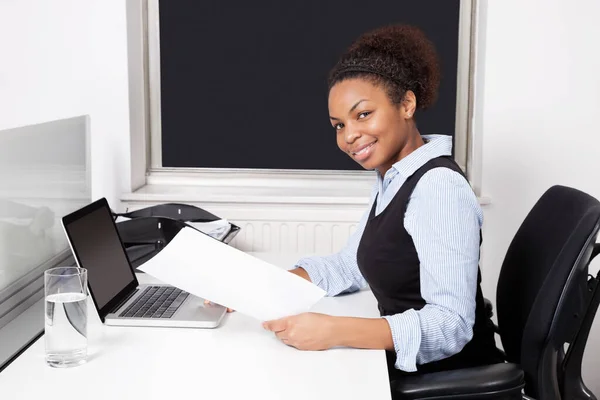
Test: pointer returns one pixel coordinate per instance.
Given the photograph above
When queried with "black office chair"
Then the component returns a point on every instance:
(545, 299)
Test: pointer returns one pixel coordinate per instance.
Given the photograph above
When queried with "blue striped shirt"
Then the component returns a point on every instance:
(444, 219)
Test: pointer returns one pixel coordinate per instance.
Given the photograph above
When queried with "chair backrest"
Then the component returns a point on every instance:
(544, 269)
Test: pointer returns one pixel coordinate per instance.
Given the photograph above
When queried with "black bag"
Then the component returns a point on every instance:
(149, 229)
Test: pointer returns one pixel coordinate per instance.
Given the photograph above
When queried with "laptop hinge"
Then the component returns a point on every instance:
(125, 300)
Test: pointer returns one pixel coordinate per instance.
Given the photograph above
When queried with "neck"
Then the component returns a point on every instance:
(413, 142)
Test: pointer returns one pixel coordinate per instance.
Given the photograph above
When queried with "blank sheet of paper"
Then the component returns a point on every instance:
(208, 268)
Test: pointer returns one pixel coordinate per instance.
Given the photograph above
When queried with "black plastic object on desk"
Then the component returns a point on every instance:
(149, 229)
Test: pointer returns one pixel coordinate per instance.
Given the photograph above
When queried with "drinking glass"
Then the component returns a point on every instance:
(65, 328)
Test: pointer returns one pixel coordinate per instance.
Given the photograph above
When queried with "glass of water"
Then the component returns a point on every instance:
(65, 316)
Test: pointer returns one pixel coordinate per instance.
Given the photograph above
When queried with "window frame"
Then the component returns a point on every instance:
(146, 151)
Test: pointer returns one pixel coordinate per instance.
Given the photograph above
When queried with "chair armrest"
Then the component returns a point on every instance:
(489, 308)
(489, 313)
(499, 380)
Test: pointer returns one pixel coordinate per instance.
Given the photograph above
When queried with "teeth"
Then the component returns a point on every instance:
(363, 150)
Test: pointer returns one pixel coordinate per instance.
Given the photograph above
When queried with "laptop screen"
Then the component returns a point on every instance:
(95, 241)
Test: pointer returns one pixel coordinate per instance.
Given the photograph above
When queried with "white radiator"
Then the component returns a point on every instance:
(283, 228)
(318, 237)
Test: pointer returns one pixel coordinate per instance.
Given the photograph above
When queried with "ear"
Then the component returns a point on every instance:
(409, 104)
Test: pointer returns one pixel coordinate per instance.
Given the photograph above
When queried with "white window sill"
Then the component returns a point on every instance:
(257, 187)
(232, 187)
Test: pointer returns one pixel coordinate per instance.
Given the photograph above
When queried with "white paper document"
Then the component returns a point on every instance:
(208, 268)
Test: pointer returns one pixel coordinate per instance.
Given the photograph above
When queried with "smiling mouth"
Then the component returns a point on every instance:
(364, 150)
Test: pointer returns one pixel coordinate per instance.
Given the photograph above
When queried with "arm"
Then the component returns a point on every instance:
(312, 331)
(301, 272)
(337, 273)
(444, 219)
(362, 333)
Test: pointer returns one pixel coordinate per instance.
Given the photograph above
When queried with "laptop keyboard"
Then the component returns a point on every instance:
(156, 302)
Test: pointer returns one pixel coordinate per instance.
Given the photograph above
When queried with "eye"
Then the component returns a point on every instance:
(363, 114)
(339, 126)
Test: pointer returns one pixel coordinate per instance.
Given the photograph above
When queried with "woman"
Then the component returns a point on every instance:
(417, 247)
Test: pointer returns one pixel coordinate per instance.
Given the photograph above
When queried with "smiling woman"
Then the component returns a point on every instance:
(373, 95)
(372, 131)
(417, 246)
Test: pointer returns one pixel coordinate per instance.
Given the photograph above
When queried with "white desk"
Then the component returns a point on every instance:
(238, 360)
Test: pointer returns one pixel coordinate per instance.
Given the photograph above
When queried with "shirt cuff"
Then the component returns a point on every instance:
(313, 272)
(406, 333)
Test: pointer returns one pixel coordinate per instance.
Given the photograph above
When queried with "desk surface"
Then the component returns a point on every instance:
(237, 360)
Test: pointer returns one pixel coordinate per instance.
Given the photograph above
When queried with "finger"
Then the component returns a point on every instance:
(277, 325)
(282, 335)
(210, 303)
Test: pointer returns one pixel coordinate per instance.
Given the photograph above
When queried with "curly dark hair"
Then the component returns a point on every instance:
(399, 58)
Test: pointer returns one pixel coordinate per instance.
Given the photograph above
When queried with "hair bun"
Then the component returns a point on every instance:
(401, 54)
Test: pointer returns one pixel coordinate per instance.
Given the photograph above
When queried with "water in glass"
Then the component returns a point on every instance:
(66, 327)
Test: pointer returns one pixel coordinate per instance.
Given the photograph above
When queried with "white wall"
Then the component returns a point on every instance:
(64, 58)
(538, 96)
(538, 100)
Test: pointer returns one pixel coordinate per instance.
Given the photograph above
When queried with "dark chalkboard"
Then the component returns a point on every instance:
(243, 83)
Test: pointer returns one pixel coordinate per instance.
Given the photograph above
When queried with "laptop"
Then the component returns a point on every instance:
(117, 295)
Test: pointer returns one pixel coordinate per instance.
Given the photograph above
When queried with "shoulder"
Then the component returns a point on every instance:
(443, 189)
(443, 178)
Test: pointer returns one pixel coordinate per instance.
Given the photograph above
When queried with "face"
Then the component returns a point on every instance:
(370, 128)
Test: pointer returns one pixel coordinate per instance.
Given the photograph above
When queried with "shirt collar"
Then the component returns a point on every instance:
(436, 146)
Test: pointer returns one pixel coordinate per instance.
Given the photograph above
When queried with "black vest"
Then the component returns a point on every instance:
(388, 260)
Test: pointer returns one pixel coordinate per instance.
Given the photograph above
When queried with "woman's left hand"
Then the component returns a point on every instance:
(306, 331)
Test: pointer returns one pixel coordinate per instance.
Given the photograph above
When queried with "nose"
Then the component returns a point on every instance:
(351, 135)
